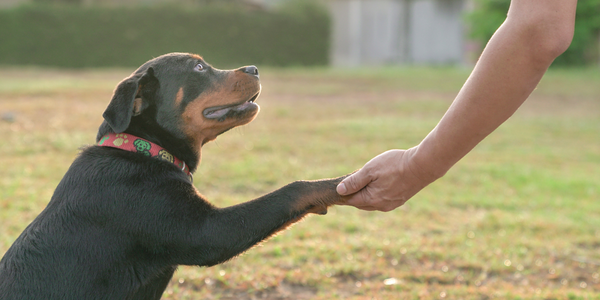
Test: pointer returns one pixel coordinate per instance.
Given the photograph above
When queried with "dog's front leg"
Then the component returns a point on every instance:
(230, 231)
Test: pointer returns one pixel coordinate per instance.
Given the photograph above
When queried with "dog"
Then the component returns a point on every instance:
(126, 213)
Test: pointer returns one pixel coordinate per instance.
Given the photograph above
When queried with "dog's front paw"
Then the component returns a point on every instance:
(317, 195)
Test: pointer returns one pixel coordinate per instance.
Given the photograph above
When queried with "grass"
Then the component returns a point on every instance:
(518, 218)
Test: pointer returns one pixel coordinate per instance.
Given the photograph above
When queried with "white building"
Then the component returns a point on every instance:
(378, 32)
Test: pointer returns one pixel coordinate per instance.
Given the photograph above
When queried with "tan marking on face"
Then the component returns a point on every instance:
(179, 97)
(236, 88)
(196, 56)
(137, 106)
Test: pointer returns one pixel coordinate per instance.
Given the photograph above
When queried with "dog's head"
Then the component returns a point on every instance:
(179, 96)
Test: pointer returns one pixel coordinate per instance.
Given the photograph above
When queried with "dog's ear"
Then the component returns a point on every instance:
(128, 100)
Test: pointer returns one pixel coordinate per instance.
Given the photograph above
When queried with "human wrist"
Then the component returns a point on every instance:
(427, 165)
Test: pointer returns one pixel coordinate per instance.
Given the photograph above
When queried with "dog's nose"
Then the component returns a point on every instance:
(252, 70)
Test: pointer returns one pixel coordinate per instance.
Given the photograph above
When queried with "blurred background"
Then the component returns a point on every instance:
(343, 81)
(101, 33)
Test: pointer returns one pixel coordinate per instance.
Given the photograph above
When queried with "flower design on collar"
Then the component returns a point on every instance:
(142, 146)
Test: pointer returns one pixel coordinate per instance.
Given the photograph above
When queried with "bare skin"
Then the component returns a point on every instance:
(512, 64)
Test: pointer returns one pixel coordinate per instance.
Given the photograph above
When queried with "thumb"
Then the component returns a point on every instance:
(353, 183)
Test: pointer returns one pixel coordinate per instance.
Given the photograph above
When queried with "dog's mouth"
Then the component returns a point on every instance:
(218, 112)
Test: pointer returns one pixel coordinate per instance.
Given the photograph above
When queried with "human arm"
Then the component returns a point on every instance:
(510, 67)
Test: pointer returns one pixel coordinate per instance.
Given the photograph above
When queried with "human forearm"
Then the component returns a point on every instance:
(514, 61)
(508, 70)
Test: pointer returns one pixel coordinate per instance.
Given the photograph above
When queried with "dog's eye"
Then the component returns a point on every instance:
(199, 67)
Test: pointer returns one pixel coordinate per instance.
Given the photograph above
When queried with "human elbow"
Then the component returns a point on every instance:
(548, 37)
(557, 41)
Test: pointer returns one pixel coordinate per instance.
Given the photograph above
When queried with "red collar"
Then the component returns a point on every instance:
(133, 143)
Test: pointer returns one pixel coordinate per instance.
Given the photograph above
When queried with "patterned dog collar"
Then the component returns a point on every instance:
(128, 142)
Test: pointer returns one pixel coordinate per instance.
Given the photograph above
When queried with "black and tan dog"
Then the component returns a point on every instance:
(126, 214)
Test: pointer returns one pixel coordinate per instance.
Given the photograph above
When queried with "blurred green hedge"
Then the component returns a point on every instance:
(225, 35)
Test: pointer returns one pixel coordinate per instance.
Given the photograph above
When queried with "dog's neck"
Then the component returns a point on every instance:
(154, 133)
(131, 143)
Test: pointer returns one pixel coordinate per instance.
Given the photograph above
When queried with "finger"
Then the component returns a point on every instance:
(360, 206)
(353, 183)
(388, 207)
(366, 207)
(359, 199)
(357, 202)
(364, 201)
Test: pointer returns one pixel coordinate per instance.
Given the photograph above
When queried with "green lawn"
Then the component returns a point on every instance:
(518, 218)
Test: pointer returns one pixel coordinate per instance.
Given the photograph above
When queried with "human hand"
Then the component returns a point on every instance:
(386, 181)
